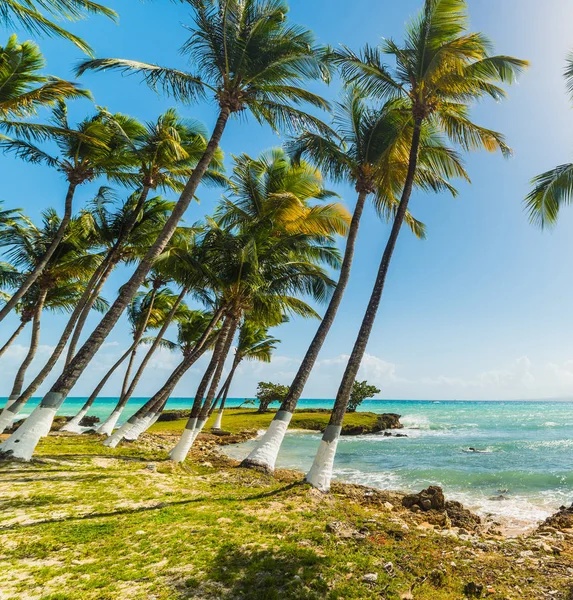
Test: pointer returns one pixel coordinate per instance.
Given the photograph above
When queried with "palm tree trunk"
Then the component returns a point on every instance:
(34, 340)
(218, 397)
(8, 414)
(265, 452)
(204, 413)
(73, 425)
(33, 276)
(153, 405)
(179, 452)
(108, 425)
(97, 279)
(113, 257)
(87, 301)
(128, 373)
(225, 390)
(320, 473)
(13, 337)
(129, 392)
(164, 393)
(22, 443)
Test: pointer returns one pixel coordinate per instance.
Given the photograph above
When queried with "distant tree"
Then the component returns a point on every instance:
(268, 392)
(360, 391)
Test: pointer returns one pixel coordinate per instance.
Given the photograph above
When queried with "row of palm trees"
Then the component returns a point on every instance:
(271, 239)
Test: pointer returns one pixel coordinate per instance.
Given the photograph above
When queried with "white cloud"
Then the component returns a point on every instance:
(520, 378)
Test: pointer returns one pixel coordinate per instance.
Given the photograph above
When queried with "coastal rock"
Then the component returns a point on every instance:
(428, 499)
(344, 530)
(446, 513)
(389, 421)
(385, 421)
(461, 516)
(562, 519)
(89, 421)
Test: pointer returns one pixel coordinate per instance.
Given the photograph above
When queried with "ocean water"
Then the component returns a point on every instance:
(525, 474)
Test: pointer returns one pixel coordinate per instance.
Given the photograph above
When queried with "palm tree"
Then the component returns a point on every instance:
(272, 191)
(59, 286)
(147, 311)
(87, 152)
(107, 227)
(23, 88)
(29, 16)
(51, 292)
(254, 343)
(196, 333)
(440, 69)
(248, 56)
(554, 188)
(261, 270)
(370, 153)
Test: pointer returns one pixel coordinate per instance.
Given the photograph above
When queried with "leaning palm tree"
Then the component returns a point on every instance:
(262, 270)
(90, 150)
(23, 87)
(106, 225)
(59, 286)
(248, 57)
(54, 294)
(554, 188)
(148, 310)
(440, 70)
(195, 335)
(36, 17)
(370, 153)
(254, 343)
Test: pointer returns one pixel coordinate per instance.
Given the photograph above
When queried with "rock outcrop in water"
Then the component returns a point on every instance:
(562, 519)
(385, 421)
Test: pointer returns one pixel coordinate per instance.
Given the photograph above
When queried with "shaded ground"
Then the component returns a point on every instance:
(88, 522)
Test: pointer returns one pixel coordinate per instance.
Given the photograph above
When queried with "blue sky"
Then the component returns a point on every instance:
(481, 309)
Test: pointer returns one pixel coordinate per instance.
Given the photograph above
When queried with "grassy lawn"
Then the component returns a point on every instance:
(84, 522)
(236, 420)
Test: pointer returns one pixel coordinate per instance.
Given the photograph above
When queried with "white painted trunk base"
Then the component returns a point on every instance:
(116, 437)
(107, 427)
(73, 426)
(23, 442)
(320, 474)
(145, 426)
(265, 453)
(181, 449)
(6, 419)
(138, 428)
(218, 420)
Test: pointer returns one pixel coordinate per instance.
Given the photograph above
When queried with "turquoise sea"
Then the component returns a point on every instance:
(524, 475)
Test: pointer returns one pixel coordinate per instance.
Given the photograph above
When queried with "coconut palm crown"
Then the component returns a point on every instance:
(554, 188)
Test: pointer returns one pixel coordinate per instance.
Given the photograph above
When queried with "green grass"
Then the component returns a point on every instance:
(88, 523)
(238, 420)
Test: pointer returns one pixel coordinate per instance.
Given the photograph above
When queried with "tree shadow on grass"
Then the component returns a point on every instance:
(286, 573)
(103, 515)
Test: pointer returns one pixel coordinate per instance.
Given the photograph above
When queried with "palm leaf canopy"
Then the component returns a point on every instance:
(255, 343)
(246, 55)
(36, 17)
(23, 87)
(439, 69)
(554, 188)
(26, 245)
(273, 192)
